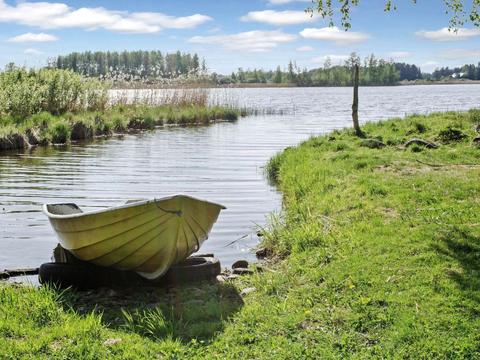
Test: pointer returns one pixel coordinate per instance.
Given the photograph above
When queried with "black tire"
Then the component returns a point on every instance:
(86, 276)
(193, 269)
(64, 275)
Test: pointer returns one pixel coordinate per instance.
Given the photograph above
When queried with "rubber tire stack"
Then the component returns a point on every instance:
(82, 275)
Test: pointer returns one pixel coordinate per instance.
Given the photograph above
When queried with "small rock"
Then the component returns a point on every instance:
(226, 272)
(427, 144)
(111, 342)
(240, 264)
(261, 253)
(111, 293)
(372, 144)
(247, 291)
(221, 278)
(242, 271)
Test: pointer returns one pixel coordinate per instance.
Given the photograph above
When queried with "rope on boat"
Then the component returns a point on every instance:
(175, 212)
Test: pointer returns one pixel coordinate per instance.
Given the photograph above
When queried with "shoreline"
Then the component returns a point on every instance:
(46, 130)
(131, 86)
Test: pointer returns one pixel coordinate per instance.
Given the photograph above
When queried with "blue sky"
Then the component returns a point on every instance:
(233, 33)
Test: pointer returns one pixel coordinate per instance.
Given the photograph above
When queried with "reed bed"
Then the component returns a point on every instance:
(24, 93)
(57, 106)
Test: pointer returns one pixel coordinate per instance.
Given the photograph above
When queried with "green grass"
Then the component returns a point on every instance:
(377, 256)
(58, 129)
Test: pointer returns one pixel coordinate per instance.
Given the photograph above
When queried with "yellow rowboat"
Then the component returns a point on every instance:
(146, 236)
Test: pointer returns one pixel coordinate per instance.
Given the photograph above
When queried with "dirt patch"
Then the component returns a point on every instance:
(390, 213)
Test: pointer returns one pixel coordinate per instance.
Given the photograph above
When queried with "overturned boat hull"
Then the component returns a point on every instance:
(144, 236)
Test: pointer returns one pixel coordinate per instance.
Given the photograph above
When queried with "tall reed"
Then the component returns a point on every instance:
(160, 97)
(27, 92)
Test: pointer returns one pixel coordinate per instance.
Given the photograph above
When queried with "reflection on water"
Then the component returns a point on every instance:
(222, 163)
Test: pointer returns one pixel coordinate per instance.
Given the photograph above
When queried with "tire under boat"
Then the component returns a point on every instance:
(147, 236)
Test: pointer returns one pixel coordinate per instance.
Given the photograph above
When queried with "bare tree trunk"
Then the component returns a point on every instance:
(356, 125)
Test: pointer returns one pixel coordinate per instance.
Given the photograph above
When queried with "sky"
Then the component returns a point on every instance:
(234, 33)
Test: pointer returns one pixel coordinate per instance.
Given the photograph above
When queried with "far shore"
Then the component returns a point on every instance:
(141, 85)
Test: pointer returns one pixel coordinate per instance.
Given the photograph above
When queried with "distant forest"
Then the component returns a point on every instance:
(130, 65)
(153, 66)
(374, 72)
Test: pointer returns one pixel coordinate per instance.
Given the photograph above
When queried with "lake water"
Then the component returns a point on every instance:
(222, 163)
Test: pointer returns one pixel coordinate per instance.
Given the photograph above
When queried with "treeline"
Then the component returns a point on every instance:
(468, 71)
(156, 67)
(373, 72)
(130, 65)
(408, 72)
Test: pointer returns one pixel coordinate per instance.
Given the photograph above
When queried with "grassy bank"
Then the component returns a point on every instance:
(57, 106)
(377, 256)
(44, 128)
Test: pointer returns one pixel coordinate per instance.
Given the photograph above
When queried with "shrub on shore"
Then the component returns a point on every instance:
(24, 93)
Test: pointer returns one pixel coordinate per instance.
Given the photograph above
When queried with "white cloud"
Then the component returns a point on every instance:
(171, 22)
(252, 41)
(445, 34)
(335, 35)
(31, 37)
(279, 18)
(283, 2)
(305, 48)
(32, 52)
(457, 54)
(57, 15)
(399, 54)
(335, 59)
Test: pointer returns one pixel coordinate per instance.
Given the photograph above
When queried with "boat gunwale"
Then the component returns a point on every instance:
(120, 207)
